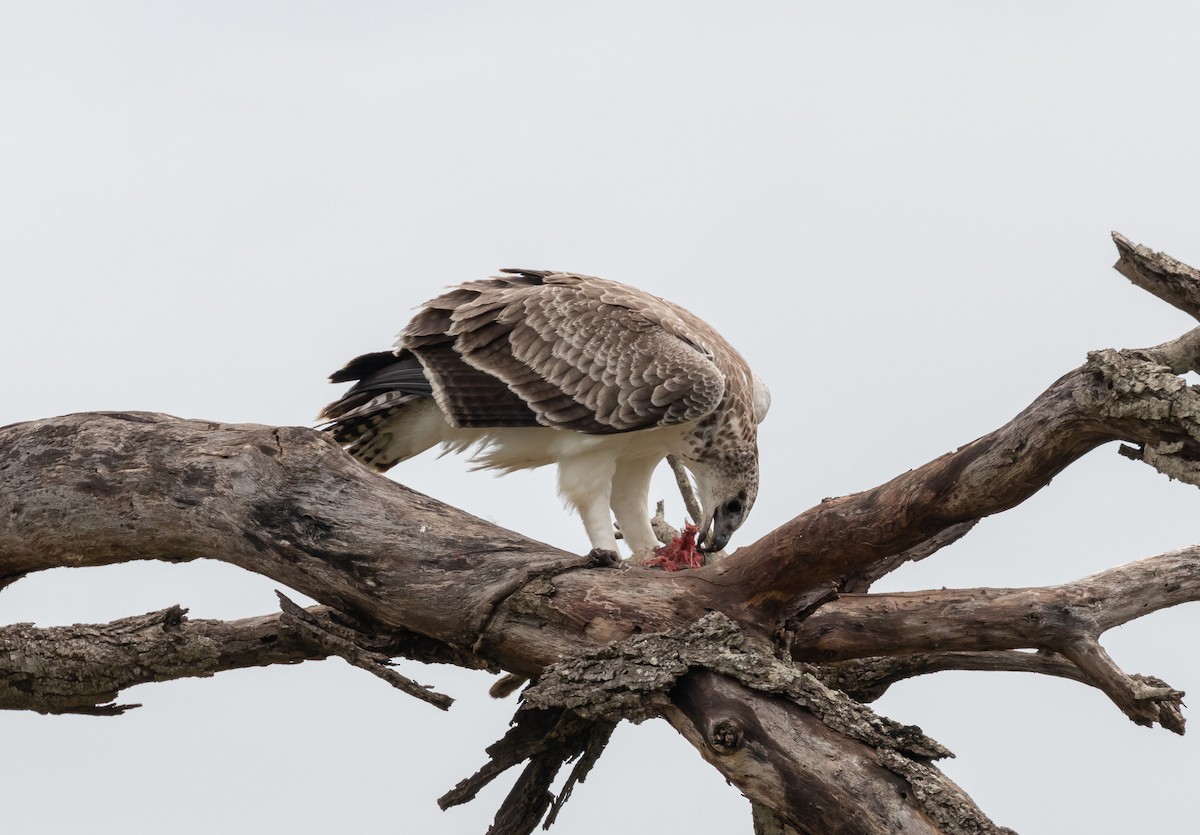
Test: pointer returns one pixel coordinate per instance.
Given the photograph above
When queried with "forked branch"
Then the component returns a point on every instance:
(410, 576)
(82, 668)
(1067, 620)
(1130, 395)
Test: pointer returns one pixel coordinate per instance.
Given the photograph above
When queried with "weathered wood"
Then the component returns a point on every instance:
(82, 668)
(767, 822)
(283, 502)
(1116, 395)
(411, 576)
(741, 706)
(353, 652)
(859, 625)
(287, 503)
(1066, 620)
(1156, 272)
(817, 781)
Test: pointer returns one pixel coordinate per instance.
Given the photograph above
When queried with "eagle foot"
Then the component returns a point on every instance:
(603, 558)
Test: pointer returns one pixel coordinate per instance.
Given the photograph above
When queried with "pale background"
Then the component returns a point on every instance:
(899, 212)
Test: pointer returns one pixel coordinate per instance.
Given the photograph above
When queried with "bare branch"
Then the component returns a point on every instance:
(1156, 272)
(866, 679)
(1116, 395)
(856, 625)
(344, 646)
(1145, 699)
(600, 734)
(1178, 355)
(82, 668)
(546, 739)
(772, 749)
(289, 504)
(367, 546)
(629, 679)
(1066, 619)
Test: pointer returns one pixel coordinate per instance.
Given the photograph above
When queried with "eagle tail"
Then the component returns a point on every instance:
(384, 417)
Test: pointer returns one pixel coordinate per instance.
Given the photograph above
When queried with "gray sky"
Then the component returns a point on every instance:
(898, 212)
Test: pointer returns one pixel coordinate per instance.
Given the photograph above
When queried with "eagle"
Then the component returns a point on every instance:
(535, 367)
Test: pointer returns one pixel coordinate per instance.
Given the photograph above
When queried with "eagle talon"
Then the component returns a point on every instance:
(603, 558)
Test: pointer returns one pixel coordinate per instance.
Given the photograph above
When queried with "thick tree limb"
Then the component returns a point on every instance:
(822, 752)
(1116, 395)
(261, 498)
(830, 783)
(992, 619)
(286, 503)
(630, 679)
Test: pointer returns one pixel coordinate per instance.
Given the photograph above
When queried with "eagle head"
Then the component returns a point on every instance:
(724, 462)
(726, 489)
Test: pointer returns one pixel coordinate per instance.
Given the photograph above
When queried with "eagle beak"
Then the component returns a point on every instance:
(719, 527)
(710, 540)
(703, 535)
(716, 541)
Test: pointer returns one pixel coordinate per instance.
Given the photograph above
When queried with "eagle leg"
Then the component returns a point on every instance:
(585, 483)
(630, 502)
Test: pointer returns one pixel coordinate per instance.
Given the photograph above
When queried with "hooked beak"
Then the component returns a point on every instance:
(709, 541)
(726, 518)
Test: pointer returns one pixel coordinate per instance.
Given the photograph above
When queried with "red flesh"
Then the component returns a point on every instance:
(680, 552)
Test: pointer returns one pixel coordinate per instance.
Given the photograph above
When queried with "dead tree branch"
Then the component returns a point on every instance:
(341, 641)
(1158, 273)
(406, 575)
(681, 674)
(82, 668)
(1067, 620)
(1130, 395)
(866, 679)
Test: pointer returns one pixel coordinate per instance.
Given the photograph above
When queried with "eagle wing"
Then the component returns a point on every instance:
(535, 348)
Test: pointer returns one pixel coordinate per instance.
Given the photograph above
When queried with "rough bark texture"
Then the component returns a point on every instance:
(742, 656)
(82, 668)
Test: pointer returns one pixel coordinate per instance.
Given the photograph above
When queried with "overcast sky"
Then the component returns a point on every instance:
(899, 212)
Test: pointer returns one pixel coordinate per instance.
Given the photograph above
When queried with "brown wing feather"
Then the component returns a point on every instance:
(575, 352)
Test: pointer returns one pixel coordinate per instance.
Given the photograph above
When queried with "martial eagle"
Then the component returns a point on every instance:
(536, 367)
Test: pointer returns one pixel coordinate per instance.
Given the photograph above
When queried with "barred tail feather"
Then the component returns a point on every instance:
(388, 415)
